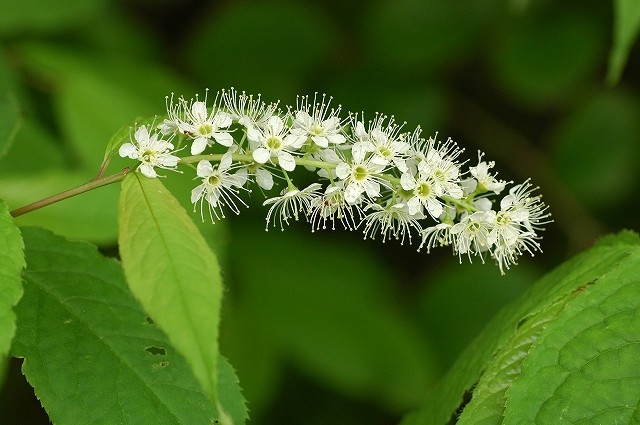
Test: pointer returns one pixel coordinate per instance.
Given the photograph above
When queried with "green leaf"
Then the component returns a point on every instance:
(487, 405)
(91, 353)
(584, 368)
(9, 121)
(229, 393)
(571, 277)
(626, 26)
(173, 273)
(327, 306)
(11, 264)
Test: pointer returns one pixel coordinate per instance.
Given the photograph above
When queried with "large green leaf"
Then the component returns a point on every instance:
(173, 273)
(626, 26)
(91, 353)
(487, 405)
(572, 277)
(585, 366)
(11, 264)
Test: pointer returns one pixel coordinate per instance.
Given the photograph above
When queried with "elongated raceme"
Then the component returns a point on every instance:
(370, 174)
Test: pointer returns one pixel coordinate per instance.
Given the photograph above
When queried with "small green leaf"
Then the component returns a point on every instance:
(626, 26)
(118, 139)
(90, 351)
(173, 273)
(584, 368)
(11, 264)
(9, 122)
(574, 275)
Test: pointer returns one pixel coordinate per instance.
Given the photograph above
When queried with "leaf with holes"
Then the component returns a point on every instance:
(90, 351)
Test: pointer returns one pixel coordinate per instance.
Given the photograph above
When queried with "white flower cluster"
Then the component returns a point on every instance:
(389, 182)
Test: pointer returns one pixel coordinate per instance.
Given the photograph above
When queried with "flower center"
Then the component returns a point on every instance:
(274, 143)
(360, 173)
(385, 151)
(205, 129)
(423, 190)
(503, 219)
(213, 180)
(148, 156)
(316, 129)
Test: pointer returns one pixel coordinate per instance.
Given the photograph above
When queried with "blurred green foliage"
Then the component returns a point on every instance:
(522, 81)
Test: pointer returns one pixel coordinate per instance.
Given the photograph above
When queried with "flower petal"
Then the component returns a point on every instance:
(199, 145)
(261, 155)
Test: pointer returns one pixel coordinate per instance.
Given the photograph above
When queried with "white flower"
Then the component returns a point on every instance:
(383, 141)
(274, 142)
(332, 205)
(248, 111)
(291, 203)
(150, 151)
(422, 188)
(317, 125)
(202, 127)
(471, 235)
(438, 235)
(392, 220)
(514, 230)
(527, 209)
(264, 178)
(219, 188)
(484, 181)
(361, 176)
(170, 126)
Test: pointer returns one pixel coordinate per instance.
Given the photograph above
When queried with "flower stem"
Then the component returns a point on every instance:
(90, 185)
(246, 158)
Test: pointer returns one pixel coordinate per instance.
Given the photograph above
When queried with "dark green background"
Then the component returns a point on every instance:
(325, 328)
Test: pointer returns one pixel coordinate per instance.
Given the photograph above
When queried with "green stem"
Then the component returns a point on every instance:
(90, 185)
(248, 159)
